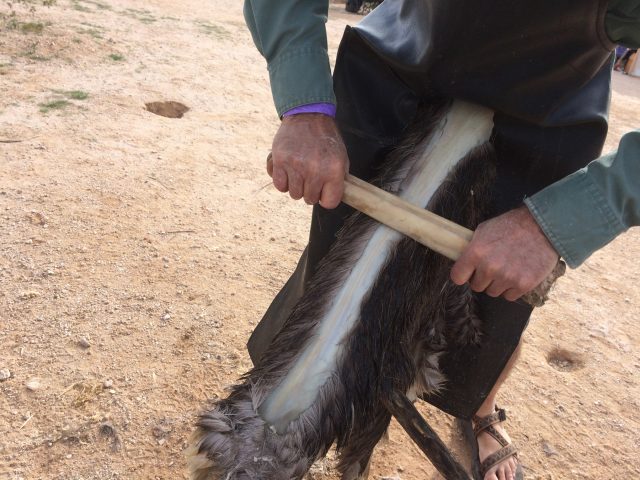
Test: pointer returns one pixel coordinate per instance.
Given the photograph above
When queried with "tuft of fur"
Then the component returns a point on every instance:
(406, 321)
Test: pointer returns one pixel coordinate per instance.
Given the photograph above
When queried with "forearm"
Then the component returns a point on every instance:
(291, 36)
(586, 210)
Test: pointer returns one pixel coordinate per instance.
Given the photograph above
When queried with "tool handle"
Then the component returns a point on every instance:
(431, 230)
(427, 228)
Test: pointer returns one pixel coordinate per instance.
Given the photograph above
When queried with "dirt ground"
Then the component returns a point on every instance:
(138, 252)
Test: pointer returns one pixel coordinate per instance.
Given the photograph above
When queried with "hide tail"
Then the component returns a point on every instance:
(376, 317)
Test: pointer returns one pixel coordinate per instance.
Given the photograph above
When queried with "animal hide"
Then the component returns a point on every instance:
(376, 317)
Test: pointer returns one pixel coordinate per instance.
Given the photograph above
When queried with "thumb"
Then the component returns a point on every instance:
(270, 164)
(462, 270)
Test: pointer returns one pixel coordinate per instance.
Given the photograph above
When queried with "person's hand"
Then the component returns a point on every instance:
(309, 159)
(508, 256)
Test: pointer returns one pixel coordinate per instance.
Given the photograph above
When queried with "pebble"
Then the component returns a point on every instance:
(166, 317)
(548, 449)
(33, 384)
(84, 343)
(37, 218)
(5, 374)
(28, 295)
(107, 383)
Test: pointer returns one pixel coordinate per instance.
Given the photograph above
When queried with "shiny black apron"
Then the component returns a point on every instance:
(544, 67)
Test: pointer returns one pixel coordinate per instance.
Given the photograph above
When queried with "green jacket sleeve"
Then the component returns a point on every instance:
(586, 210)
(291, 36)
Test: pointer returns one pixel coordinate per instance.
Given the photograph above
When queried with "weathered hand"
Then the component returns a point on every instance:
(309, 159)
(508, 255)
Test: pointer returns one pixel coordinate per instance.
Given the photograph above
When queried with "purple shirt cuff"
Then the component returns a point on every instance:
(325, 108)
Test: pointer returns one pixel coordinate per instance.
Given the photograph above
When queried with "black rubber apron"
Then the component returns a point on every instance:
(543, 67)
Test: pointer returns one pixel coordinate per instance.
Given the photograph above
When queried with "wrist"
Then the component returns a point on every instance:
(328, 109)
(530, 223)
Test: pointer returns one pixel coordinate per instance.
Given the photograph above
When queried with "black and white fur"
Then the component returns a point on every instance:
(377, 315)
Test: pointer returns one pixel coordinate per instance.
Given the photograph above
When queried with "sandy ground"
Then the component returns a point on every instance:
(138, 252)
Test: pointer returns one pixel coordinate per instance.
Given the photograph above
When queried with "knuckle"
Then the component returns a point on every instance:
(335, 169)
(491, 269)
(475, 253)
(526, 283)
(298, 163)
(522, 287)
(278, 160)
(470, 255)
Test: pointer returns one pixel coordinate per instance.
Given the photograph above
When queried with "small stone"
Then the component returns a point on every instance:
(69, 456)
(107, 383)
(548, 449)
(84, 343)
(37, 218)
(5, 374)
(161, 431)
(33, 384)
(28, 295)
(166, 317)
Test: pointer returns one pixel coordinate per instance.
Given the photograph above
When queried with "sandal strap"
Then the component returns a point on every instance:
(482, 423)
(497, 457)
(498, 437)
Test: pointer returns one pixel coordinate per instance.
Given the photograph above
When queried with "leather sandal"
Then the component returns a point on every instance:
(486, 424)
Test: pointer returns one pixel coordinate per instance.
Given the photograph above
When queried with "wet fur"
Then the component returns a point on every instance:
(409, 317)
